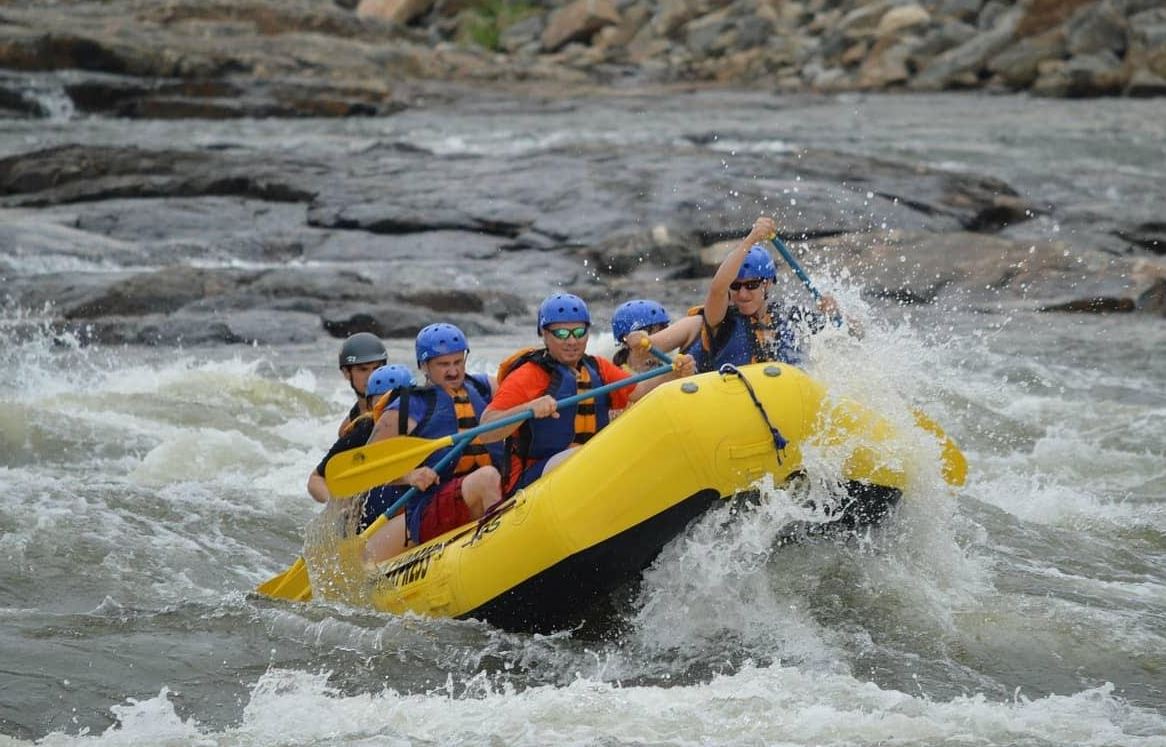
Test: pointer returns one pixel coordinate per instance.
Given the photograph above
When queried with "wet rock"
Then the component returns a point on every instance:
(499, 305)
(390, 320)
(195, 329)
(54, 291)
(168, 289)
(1150, 236)
(927, 268)
(151, 330)
(268, 327)
(42, 242)
(667, 250)
(74, 173)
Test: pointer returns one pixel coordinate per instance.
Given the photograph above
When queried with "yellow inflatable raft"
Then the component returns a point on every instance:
(540, 560)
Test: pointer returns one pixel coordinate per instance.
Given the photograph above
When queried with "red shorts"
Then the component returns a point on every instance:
(445, 511)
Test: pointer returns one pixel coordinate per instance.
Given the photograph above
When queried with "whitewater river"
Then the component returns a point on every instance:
(145, 492)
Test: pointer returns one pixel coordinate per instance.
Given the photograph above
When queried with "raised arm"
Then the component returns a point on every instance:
(716, 303)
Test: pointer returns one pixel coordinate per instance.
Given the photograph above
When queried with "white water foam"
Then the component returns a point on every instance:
(759, 705)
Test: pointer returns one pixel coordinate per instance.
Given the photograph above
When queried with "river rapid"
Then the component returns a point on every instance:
(144, 492)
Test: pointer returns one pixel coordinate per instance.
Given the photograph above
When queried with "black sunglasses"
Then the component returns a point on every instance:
(752, 285)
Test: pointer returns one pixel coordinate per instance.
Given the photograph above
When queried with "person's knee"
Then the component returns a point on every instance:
(482, 489)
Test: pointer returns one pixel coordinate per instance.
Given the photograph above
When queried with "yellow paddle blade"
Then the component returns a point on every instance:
(295, 585)
(357, 470)
(955, 464)
(292, 584)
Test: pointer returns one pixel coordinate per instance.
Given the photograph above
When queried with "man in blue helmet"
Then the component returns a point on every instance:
(739, 323)
(534, 379)
(638, 314)
(381, 385)
(449, 402)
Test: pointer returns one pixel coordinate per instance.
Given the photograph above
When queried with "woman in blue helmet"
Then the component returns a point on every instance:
(450, 401)
(638, 314)
(536, 378)
(380, 384)
(739, 323)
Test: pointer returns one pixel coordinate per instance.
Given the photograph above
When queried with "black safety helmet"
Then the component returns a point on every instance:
(363, 347)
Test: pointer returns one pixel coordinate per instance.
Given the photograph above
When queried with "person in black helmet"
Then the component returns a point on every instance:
(360, 355)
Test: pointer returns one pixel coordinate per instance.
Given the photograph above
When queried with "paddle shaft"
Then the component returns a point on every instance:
(518, 417)
(403, 461)
(800, 271)
(444, 462)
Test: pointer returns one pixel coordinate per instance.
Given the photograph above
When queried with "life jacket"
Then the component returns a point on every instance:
(740, 340)
(349, 425)
(386, 399)
(445, 415)
(541, 438)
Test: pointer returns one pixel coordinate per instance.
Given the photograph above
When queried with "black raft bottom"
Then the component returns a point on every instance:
(563, 595)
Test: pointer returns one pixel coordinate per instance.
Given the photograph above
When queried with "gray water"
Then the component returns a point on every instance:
(145, 492)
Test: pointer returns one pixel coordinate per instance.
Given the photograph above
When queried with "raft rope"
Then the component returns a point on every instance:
(779, 441)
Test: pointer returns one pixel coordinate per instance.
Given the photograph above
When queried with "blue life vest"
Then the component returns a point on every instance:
(737, 341)
(538, 439)
(433, 410)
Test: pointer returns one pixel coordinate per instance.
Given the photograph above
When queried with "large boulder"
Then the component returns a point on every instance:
(578, 21)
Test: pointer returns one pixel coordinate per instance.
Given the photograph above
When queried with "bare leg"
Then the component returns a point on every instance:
(481, 489)
(388, 541)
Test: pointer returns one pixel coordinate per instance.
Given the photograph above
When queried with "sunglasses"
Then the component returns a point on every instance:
(751, 285)
(563, 333)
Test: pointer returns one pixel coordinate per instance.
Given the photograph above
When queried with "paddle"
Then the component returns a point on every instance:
(357, 470)
(295, 585)
(955, 465)
(796, 266)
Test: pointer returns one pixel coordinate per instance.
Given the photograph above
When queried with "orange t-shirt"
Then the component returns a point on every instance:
(530, 380)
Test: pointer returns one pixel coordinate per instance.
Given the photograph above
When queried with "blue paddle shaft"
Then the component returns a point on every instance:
(444, 462)
(796, 266)
(463, 439)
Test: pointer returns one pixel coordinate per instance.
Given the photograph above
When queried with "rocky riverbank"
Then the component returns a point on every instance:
(235, 58)
(471, 211)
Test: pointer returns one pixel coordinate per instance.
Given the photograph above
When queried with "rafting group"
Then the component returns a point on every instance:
(738, 324)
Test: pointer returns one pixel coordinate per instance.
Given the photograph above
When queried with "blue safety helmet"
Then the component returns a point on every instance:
(637, 314)
(562, 307)
(758, 265)
(439, 339)
(387, 378)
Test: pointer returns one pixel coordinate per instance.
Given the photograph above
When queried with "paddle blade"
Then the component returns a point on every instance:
(293, 584)
(357, 470)
(955, 464)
